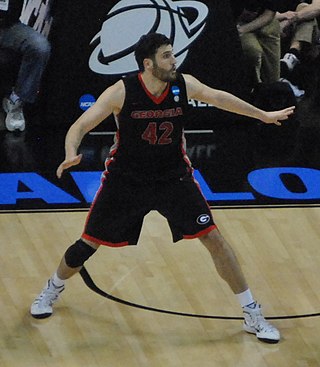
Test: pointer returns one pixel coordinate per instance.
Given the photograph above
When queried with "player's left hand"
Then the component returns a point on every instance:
(274, 117)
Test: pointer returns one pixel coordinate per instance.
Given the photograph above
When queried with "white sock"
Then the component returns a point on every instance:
(245, 298)
(57, 281)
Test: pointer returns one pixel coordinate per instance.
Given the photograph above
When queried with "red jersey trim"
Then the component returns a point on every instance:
(104, 243)
(156, 100)
(201, 233)
(185, 155)
(112, 152)
(95, 198)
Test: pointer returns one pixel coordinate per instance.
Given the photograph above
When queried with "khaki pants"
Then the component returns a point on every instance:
(306, 32)
(261, 50)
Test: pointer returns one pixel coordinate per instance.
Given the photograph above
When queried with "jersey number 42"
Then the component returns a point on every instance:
(158, 135)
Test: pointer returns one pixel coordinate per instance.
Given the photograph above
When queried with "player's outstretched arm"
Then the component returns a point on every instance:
(110, 101)
(228, 102)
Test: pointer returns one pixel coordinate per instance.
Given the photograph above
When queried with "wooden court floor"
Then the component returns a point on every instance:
(278, 248)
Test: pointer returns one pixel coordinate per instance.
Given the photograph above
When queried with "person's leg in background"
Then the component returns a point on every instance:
(269, 37)
(304, 35)
(35, 52)
(252, 53)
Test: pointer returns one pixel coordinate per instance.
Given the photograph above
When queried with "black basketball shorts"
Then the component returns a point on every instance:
(121, 203)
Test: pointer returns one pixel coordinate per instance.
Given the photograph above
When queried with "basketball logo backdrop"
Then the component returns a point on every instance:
(181, 21)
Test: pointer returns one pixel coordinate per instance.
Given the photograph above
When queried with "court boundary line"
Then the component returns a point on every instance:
(92, 286)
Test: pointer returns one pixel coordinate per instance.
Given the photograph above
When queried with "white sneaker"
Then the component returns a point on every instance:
(42, 305)
(15, 118)
(290, 60)
(255, 323)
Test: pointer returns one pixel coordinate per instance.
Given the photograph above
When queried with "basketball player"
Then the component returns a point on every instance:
(147, 169)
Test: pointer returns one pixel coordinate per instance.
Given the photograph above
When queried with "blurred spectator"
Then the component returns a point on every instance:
(300, 28)
(260, 38)
(34, 49)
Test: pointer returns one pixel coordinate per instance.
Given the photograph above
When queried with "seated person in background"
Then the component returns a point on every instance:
(34, 49)
(260, 38)
(299, 27)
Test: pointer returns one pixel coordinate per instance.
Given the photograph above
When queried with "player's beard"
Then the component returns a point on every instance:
(164, 75)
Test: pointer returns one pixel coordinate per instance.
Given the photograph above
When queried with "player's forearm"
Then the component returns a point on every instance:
(85, 123)
(231, 103)
(73, 140)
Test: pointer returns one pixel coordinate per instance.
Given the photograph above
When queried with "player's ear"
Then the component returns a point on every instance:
(148, 64)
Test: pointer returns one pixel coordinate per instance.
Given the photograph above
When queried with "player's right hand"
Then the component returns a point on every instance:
(67, 163)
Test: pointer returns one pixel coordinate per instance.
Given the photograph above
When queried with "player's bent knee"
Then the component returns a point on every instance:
(78, 253)
(213, 241)
(212, 235)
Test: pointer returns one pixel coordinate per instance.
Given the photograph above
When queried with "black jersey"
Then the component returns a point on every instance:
(149, 142)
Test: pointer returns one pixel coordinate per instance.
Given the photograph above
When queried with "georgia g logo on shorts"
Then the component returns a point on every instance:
(128, 20)
(203, 219)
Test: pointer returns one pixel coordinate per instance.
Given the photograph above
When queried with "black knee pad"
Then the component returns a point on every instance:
(78, 253)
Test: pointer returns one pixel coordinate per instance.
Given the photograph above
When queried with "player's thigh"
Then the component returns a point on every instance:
(117, 211)
(185, 207)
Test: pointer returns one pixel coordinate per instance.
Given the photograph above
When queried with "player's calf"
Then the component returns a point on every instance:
(75, 256)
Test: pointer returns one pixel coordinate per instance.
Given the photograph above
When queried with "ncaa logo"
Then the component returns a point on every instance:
(175, 91)
(86, 101)
(203, 219)
(181, 21)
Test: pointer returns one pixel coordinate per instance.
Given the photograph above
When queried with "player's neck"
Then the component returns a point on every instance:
(154, 85)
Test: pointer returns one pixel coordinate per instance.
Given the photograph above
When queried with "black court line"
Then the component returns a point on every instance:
(90, 283)
(213, 207)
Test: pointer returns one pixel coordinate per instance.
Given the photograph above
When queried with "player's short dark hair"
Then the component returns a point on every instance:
(147, 47)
